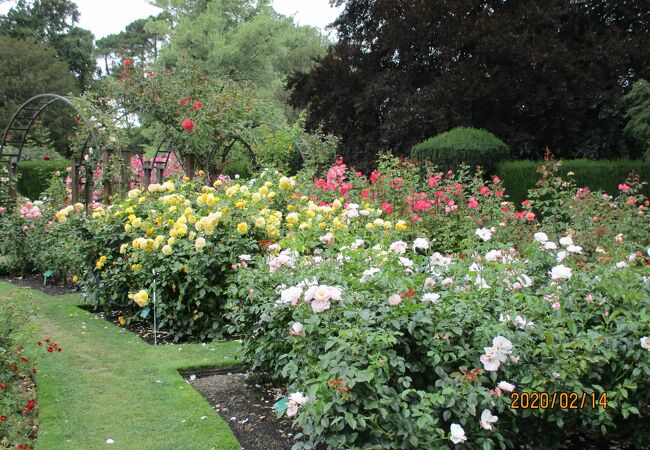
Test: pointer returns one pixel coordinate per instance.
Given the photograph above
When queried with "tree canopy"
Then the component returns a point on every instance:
(536, 74)
(29, 68)
(246, 41)
(141, 40)
(53, 22)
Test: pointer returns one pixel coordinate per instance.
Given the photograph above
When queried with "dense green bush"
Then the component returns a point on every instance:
(520, 176)
(471, 146)
(34, 176)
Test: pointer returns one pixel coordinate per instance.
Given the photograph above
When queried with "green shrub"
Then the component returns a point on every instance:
(17, 391)
(520, 176)
(471, 146)
(35, 176)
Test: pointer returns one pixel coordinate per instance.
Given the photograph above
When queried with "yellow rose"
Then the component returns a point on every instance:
(292, 218)
(123, 248)
(199, 244)
(260, 222)
(167, 250)
(136, 267)
(264, 190)
(171, 240)
(75, 278)
(401, 225)
(141, 298)
(242, 227)
(285, 183)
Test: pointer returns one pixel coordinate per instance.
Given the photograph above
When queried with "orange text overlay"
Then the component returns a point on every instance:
(558, 400)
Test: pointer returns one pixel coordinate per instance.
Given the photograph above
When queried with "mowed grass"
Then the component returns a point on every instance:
(108, 384)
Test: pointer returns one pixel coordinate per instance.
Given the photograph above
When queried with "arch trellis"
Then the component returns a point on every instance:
(16, 133)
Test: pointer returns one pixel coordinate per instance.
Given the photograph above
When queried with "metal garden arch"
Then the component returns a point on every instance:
(17, 131)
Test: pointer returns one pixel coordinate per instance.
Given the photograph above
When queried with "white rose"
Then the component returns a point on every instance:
(398, 247)
(540, 237)
(484, 233)
(430, 297)
(561, 272)
(502, 344)
(320, 305)
(490, 360)
(394, 300)
(487, 419)
(550, 245)
(566, 241)
(574, 249)
(457, 434)
(505, 386)
(420, 243)
(645, 342)
(291, 295)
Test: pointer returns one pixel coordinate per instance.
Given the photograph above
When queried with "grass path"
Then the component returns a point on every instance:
(108, 384)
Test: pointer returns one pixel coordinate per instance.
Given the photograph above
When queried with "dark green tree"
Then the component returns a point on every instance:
(638, 114)
(31, 68)
(53, 22)
(534, 73)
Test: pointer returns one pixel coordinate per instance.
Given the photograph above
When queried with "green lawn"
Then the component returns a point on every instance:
(107, 384)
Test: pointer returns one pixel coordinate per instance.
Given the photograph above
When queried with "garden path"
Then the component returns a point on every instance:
(107, 384)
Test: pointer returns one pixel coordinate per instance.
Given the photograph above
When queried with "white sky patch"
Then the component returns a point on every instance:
(104, 17)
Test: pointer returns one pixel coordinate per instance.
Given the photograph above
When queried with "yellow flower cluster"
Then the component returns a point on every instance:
(101, 262)
(141, 298)
(63, 214)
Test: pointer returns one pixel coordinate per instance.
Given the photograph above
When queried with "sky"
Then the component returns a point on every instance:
(104, 17)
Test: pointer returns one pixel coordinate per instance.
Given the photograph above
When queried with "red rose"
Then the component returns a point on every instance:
(127, 62)
(387, 208)
(184, 101)
(46, 157)
(3, 386)
(197, 105)
(3, 418)
(188, 125)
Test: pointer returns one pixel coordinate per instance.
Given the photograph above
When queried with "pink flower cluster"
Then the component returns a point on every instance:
(30, 211)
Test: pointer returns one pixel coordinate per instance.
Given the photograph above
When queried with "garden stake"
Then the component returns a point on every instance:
(155, 338)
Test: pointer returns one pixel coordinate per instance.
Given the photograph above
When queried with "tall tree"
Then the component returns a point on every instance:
(246, 41)
(53, 22)
(535, 73)
(141, 39)
(29, 68)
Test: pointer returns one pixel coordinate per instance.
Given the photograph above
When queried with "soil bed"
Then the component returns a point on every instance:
(36, 282)
(247, 406)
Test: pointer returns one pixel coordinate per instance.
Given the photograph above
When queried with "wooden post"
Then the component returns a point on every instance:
(108, 185)
(189, 166)
(125, 171)
(146, 166)
(13, 178)
(74, 179)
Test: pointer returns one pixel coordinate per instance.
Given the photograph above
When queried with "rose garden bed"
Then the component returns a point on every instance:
(400, 311)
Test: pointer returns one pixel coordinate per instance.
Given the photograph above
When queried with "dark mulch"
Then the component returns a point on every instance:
(36, 282)
(246, 405)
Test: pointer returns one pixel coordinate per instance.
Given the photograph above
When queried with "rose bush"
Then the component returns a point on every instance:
(400, 311)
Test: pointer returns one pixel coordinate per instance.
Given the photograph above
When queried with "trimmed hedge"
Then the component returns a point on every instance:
(605, 175)
(471, 146)
(34, 176)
